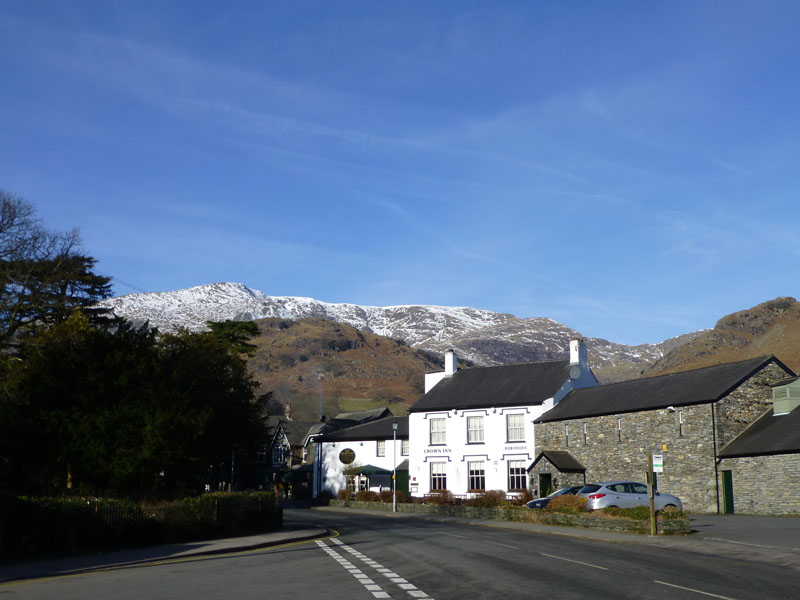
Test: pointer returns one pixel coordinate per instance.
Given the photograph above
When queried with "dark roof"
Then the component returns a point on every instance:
(771, 434)
(345, 420)
(362, 416)
(403, 466)
(561, 460)
(698, 386)
(296, 431)
(374, 430)
(505, 385)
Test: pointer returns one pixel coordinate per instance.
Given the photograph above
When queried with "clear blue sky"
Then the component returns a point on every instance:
(630, 169)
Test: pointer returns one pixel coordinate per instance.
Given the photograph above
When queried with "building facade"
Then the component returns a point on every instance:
(686, 417)
(473, 429)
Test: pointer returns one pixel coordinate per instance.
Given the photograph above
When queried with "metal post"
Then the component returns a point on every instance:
(394, 466)
(651, 493)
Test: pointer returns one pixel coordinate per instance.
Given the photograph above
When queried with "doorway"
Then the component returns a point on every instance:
(727, 492)
(545, 484)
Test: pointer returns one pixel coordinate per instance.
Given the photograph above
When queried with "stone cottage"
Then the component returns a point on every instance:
(686, 417)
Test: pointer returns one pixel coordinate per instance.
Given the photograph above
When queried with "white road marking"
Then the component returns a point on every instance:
(680, 587)
(574, 561)
(361, 577)
(403, 584)
(454, 535)
(503, 545)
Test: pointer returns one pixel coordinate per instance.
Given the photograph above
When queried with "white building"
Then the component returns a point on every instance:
(363, 457)
(472, 431)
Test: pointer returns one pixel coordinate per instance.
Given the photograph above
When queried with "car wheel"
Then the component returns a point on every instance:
(671, 506)
(612, 506)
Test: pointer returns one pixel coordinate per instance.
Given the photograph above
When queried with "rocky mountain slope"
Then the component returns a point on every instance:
(480, 336)
(772, 327)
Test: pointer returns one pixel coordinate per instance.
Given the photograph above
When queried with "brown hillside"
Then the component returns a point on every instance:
(308, 361)
(769, 328)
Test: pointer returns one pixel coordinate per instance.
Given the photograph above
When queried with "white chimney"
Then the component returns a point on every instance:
(450, 366)
(577, 354)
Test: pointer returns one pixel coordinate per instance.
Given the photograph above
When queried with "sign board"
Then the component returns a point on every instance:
(347, 456)
(658, 463)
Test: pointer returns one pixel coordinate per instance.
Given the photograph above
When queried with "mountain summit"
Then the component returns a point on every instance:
(481, 336)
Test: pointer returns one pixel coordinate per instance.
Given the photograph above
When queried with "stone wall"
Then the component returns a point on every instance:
(765, 485)
(616, 446)
(596, 519)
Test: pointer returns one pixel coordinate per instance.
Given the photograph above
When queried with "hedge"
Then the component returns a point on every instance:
(50, 527)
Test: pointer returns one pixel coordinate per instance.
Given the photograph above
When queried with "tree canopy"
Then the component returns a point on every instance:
(121, 411)
(44, 276)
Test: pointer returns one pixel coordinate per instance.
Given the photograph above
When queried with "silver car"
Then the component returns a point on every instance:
(625, 494)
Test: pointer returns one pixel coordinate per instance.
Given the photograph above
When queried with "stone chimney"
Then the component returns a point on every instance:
(450, 363)
(287, 410)
(577, 354)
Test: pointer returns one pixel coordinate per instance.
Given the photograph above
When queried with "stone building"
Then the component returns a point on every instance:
(687, 417)
(760, 468)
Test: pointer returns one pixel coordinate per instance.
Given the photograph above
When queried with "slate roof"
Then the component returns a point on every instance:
(768, 435)
(296, 431)
(374, 430)
(505, 385)
(345, 420)
(561, 460)
(698, 386)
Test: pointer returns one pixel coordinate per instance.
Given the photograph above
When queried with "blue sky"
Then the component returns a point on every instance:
(629, 169)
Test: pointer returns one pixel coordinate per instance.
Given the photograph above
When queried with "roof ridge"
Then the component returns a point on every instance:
(760, 359)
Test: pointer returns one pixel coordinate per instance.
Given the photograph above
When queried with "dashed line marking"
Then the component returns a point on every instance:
(360, 576)
(463, 537)
(680, 587)
(585, 564)
(402, 583)
(503, 545)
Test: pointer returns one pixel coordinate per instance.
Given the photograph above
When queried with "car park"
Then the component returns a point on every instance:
(625, 494)
(543, 502)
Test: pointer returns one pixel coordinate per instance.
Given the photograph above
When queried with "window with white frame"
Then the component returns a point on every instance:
(477, 475)
(279, 455)
(404, 448)
(680, 423)
(438, 432)
(517, 480)
(515, 428)
(381, 450)
(475, 430)
(438, 476)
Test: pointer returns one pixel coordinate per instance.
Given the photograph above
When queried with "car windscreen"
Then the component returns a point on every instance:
(588, 489)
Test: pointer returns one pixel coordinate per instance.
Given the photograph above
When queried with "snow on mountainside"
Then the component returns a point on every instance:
(482, 336)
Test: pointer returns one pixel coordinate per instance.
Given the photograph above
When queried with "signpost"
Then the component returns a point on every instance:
(650, 492)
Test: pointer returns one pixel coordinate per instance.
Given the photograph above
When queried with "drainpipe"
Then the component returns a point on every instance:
(714, 451)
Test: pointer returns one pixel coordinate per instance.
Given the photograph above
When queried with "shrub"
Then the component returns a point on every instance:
(344, 495)
(324, 497)
(488, 499)
(567, 503)
(521, 499)
(367, 496)
(439, 497)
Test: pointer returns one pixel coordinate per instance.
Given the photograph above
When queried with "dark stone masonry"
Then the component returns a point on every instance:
(689, 438)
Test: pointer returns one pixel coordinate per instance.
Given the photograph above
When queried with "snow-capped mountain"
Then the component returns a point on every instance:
(482, 336)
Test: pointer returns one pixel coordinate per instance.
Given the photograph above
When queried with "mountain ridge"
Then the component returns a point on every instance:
(480, 336)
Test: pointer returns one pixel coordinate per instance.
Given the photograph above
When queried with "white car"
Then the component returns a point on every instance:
(625, 494)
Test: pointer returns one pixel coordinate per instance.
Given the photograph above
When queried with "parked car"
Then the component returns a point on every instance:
(625, 494)
(543, 502)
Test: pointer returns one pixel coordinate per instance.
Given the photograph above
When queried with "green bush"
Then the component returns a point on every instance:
(367, 496)
(567, 503)
(41, 527)
(488, 499)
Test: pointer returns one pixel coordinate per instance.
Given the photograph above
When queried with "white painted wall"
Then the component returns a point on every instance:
(495, 451)
(366, 451)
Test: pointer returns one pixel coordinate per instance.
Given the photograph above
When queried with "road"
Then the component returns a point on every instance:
(386, 557)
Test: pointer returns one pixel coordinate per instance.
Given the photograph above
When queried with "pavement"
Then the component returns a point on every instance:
(774, 540)
(127, 558)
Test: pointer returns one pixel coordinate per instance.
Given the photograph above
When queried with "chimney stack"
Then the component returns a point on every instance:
(577, 354)
(450, 363)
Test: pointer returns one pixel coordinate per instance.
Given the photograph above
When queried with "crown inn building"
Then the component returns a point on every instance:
(473, 430)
